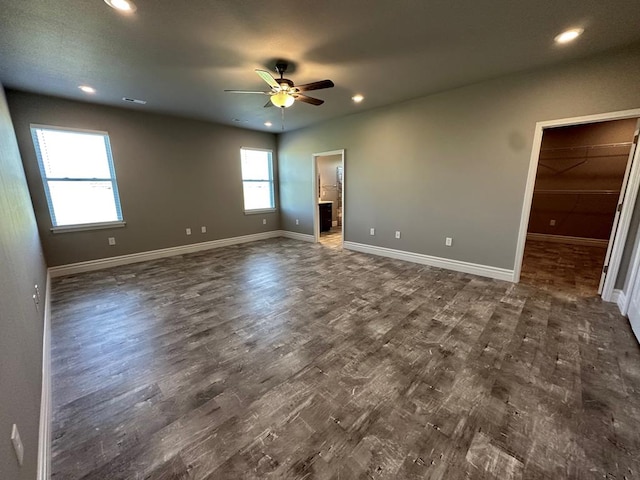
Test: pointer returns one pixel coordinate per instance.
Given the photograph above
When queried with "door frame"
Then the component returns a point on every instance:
(314, 169)
(627, 207)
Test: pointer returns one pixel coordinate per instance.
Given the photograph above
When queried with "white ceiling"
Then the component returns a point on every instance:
(179, 56)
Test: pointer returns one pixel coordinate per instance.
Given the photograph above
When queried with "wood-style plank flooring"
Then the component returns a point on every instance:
(284, 359)
(332, 238)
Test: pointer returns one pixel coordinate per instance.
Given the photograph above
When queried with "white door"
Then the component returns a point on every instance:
(634, 308)
(615, 231)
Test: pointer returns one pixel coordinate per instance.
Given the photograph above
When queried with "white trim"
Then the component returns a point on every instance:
(297, 236)
(88, 226)
(587, 242)
(258, 211)
(599, 117)
(44, 431)
(625, 216)
(619, 298)
(619, 236)
(67, 129)
(446, 263)
(101, 263)
(632, 275)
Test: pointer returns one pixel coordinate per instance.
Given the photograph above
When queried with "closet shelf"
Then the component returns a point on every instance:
(576, 192)
(588, 147)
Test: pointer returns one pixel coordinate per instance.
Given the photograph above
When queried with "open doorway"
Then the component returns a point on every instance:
(581, 183)
(328, 193)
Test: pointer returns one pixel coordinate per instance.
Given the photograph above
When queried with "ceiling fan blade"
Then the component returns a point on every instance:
(266, 76)
(310, 100)
(315, 85)
(268, 104)
(247, 91)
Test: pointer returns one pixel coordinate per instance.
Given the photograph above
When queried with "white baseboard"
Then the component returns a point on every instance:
(587, 242)
(44, 432)
(619, 298)
(297, 236)
(456, 265)
(101, 263)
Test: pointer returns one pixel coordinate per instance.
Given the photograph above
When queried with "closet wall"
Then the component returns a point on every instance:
(580, 173)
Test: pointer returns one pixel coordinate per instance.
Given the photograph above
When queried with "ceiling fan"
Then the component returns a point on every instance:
(283, 92)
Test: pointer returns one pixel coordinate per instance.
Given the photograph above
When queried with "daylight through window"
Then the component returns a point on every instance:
(257, 180)
(78, 176)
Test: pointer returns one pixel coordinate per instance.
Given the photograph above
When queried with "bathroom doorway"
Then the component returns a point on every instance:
(329, 212)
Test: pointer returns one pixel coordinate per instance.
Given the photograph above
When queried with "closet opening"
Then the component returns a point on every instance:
(581, 184)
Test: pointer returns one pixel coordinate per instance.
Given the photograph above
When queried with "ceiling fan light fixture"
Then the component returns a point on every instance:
(282, 100)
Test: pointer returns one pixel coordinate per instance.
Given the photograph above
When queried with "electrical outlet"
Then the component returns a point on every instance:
(188, 230)
(297, 222)
(264, 221)
(17, 444)
(448, 241)
(112, 241)
(203, 229)
(552, 223)
(397, 234)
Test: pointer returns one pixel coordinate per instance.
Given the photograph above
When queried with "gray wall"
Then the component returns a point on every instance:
(21, 325)
(172, 173)
(451, 164)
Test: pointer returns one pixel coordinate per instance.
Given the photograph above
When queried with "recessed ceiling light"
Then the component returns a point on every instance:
(569, 35)
(268, 124)
(357, 98)
(126, 6)
(87, 89)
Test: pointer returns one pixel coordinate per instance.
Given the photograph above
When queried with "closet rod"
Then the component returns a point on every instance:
(578, 192)
(600, 145)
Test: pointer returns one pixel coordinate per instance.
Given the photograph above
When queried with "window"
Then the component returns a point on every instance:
(78, 177)
(257, 180)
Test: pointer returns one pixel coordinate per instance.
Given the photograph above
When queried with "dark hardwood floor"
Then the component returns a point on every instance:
(284, 359)
(554, 266)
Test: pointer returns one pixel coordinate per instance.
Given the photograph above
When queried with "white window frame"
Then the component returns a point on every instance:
(43, 176)
(270, 180)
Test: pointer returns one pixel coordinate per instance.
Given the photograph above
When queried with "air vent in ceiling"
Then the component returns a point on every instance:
(134, 100)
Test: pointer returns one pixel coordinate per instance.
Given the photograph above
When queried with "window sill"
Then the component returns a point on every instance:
(259, 211)
(87, 226)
